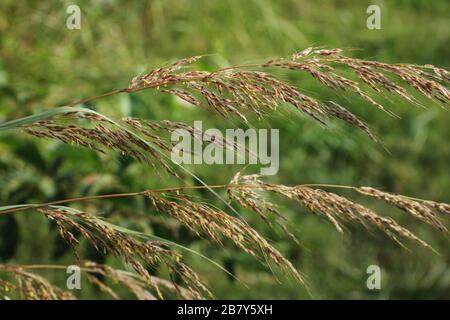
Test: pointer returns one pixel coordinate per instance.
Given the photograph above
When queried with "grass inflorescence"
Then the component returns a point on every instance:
(234, 91)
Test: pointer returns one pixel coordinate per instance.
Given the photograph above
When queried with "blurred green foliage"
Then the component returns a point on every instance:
(43, 65)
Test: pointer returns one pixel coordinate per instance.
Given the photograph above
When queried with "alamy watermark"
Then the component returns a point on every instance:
(374, 280)
(74, 279)
(236, 146)
(374, 20)
(73, 21)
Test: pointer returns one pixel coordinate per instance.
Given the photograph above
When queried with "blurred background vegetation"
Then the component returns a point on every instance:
(44, 65)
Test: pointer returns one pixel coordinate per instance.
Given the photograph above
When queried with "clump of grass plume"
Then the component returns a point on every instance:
(235, 91)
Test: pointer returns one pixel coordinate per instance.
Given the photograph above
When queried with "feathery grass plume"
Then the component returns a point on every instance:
(207, 220)
(101, 133)
(320, 64)
(243, 88)
(215, 223)
(31, 286)
(237, 90)
(134, 285)
(250, 198)
(310, 61)
(227, 91)
(422, 210)
(139, 255)
(133, 282)
(337, 209)
(417, 77)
